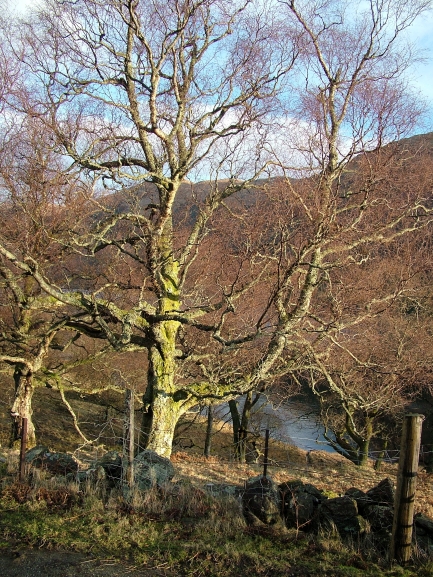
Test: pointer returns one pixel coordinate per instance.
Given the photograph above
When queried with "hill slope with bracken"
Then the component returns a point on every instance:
(400, 168)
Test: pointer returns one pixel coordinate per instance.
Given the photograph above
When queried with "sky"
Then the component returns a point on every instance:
(420, 34)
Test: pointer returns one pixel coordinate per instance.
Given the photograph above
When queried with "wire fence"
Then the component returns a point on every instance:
(283, 451)
(282, 461)
(108, 431)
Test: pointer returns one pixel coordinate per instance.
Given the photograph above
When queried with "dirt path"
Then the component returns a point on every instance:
(43, 563)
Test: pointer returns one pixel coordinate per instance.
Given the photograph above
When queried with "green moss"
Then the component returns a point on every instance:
(331, 494)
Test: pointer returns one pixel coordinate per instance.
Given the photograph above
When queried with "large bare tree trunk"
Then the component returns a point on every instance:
(164, 404)
(165, 414)
(22, 407)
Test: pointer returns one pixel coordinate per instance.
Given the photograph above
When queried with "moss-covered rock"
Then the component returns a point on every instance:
(262, 500)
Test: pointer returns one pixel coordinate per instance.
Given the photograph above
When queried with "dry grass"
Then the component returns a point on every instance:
(182, 528)
(327, 471)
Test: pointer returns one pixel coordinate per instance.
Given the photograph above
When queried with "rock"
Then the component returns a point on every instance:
(343, 512)
(381, 541)
(380, 517)
(55, 463)
(95, 474)
(383, 493)
(150, 469)
(261, 500)
(223, 490)
(423, 522)
(341, 507)
(360, 497)
(299, 504)
(355, 526)
(60, 464)
(36, 455)
(111, 463)
(423, 534)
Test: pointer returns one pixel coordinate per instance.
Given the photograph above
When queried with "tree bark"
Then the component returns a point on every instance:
(162, 406)
(241, 423)
(236, 424)
(363, 453)
(164, 415)
(22, 407)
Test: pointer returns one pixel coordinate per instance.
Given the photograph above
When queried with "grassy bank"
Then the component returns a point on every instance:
(181, 530)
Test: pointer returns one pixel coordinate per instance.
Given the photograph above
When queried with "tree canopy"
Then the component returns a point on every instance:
(283, 110)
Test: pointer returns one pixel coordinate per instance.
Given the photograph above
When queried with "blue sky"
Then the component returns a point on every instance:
(420, 34)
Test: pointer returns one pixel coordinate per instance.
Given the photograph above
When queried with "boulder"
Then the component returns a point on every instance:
(261, 501)
(150, 469)
(340, 507)
(424, 523)
(423, 534)
(354, 526)
(380, 517)
(223, 490)
(55, 463)
(343, 513)
(36, 456)
(95, 474)
(60, 464)
(361, 498)
(111, 463)
(381, 540)
(383, 493)
(300, 504)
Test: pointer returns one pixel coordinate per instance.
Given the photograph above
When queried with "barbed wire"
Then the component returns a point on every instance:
(110, 435)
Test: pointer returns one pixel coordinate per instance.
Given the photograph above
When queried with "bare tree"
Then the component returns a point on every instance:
(225, 282)
(368, 373)
(151, 107)
(36, 209)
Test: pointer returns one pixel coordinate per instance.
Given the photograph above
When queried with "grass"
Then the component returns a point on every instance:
(179, 528)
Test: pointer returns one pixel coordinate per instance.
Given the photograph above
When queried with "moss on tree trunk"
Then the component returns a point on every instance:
(163, 405)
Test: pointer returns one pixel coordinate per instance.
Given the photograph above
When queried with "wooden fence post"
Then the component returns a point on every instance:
(401, 540)
(129, 439)
(265, 461)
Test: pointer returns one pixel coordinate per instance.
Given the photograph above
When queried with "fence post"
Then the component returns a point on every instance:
(265, 463)
(401, 540)
(208, 440)
(129, 439)
(23, 449)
